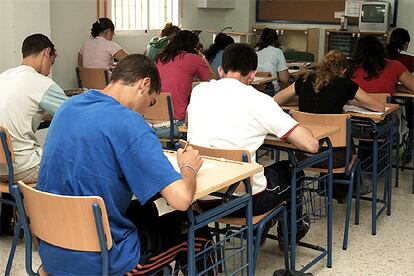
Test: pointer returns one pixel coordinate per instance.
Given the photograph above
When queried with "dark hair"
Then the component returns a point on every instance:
(169, 29)
(268, 37)
(135, 67)
(370, 55)
(220, 42)
(183, 42)
(239, 57)
(399, 37)
(35, 43)
(101, 25)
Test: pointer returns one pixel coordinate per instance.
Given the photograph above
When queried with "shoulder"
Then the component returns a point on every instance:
(395, 65)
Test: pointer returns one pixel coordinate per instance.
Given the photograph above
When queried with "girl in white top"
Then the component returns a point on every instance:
(99, 51)
(271, 58)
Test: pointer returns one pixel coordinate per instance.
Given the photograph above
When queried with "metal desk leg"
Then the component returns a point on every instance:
(374, 187)
(293, 220)
(329, 227)
(190, 244)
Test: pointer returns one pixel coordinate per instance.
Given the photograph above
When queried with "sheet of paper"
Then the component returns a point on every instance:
(352, 7)
(173, 160)
(257, 78)
(357, 109)
(293, 71)
(299, 64)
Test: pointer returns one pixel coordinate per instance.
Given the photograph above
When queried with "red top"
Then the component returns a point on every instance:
(386, 80)
(407, 61)
(177, 79)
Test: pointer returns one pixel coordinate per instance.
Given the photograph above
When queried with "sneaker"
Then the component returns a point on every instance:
(300, 234)
(266, 229)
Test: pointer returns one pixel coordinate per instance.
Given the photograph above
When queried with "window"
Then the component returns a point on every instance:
(131, 15)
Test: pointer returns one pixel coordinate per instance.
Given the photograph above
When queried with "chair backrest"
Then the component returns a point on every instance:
(65, 221)
(234, 155)
(92, 78)
(162, 110)
(340, 139)
(6, 146)
(298, 55)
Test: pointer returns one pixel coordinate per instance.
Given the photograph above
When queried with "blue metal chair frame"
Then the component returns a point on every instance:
(324, 153)
(375, 133)
(172, 125)
(230, 205)
(10, 202)
(28, 233)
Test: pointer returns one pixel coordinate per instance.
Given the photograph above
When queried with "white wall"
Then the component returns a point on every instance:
(18, 19)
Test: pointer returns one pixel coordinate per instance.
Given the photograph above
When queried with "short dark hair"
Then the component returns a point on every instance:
(184, 42)
(135, 67)
(239, 57)
(268, 37)
(35, 43)
(101, 25)
(398, 38)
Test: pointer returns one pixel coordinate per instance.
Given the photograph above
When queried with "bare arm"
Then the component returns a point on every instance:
(283, 76)
(303, 140)
(365, 100)
(80, 60)
(180, 193)
(407, 80)
(285, 95)
(120, 54)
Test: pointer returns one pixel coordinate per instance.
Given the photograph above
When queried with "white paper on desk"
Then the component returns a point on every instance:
(257, 79)
(293, 71)
(299, 64)
(173, 160)
(357, 109)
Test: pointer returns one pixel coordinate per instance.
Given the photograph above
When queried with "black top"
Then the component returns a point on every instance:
(329, 100)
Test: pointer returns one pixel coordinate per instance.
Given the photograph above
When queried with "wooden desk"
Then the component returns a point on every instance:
(401, 94)
(319, 132)
(222, 174)
(377, 117)
(301, 69)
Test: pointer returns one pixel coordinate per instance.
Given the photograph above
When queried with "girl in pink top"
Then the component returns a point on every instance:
(99, 51)
(178, 64)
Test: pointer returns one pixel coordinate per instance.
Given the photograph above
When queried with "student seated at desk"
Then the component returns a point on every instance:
(157, 44)
(26, 95)
(105, 148)
(397, 47)
(215, 52)
(326, 91)
(231, 114)
(99, 51)
(178, 64)
(271, 59)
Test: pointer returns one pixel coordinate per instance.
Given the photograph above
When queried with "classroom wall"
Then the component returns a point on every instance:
(18, 19)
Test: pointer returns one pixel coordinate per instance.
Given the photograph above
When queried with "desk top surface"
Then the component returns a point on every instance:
(401, 94)
(221, 174)
(377, 117)
(263, 80)
(319, 132)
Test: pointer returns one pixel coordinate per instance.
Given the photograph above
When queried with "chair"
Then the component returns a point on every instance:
(338, 140)
(6, 159)
(299, 55)
(47, 216)
(259, 221)
(162, 114)
(92, 78)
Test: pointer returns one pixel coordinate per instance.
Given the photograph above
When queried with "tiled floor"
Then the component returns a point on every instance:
(390, 252)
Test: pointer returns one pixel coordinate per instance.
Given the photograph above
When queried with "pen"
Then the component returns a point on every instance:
(185, 147)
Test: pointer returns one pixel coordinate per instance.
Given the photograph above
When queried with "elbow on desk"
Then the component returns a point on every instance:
(312, 146)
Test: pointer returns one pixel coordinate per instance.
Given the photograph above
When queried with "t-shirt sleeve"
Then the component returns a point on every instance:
(350, 87)
(398, 68)
(202, 69)
(146, 169)
(272, 118)
(52, 98)
(282, 61)
(113, 47)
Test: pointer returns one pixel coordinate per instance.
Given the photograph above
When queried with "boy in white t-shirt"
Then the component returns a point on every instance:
(231, 114)
(26, 95)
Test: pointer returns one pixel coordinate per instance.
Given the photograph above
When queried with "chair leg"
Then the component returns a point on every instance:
(285, 238)
(357, 193)
(348, 213)
(13, 248)
(397, 159)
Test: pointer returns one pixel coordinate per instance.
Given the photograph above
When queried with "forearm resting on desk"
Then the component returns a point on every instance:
(303, 140)
(180, 193)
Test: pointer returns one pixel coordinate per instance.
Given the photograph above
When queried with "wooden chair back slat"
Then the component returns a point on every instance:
(159, 111)
(92, 78)
(234, 155)
(65, 221)
(3, 160)
(339, 120)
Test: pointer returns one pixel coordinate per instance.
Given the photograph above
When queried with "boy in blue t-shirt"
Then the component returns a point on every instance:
(99, 144)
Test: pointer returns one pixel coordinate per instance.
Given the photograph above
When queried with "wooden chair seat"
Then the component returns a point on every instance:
(335, 170)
